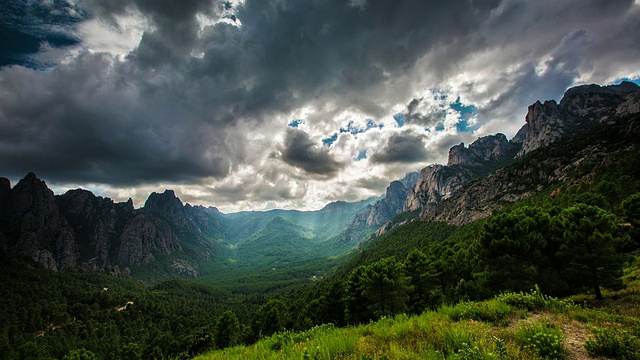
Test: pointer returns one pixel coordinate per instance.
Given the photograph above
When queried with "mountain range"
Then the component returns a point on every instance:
(79, 230)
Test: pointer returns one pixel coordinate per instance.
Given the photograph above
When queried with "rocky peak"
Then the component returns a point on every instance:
(43, 235)
(163, 203)
(436, 182)
(30, 193)
(127, 205)
(491, 148)
(410, 179)
(168, 206)
(581, 107)
(382, 210)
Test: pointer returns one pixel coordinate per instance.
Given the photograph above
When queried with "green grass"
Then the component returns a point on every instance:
(509, 326)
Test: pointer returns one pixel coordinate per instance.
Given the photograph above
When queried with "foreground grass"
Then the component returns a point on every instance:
(509, 326)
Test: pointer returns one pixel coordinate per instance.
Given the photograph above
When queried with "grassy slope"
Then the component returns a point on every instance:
(504, 327)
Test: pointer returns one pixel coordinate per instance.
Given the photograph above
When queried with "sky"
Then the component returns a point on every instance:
(256, 104)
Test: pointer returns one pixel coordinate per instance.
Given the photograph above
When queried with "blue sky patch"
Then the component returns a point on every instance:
(330, 140)
(399, 118)
(361, 155)
(466, 112)
(295, 123)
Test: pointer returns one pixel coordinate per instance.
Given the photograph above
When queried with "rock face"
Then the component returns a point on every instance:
(81, 230)
(438, 182)
(614, 108)
(97, 224)
(581, 107)
(145, 237)
(35, 227)
(488, 149)
(382, 211)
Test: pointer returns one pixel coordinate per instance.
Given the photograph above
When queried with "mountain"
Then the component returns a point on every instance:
(377, 214)
(324, 223)
(581, 107)
(79, 230)
(458, 194)
(33, 226)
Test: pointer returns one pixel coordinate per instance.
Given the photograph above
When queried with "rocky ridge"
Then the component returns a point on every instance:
(81, 230)
(381, 212)
(474, 182)
(582, 108)
(438, 182)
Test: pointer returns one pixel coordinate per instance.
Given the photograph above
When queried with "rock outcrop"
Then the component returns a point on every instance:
(438, 182)
(85, 231)
(97, 223)
(379, 213)
(34, 227)
(487, 149)
(144, 238)
(581, 108)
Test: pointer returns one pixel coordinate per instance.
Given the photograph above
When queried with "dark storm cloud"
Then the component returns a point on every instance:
(402, 148)
(26, 27)
(95, 131)
(164, 112)
(300, 151)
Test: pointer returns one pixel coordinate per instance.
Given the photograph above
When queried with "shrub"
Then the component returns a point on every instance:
(535, 300)
(543, 339)
(491, 311)
(613, 343)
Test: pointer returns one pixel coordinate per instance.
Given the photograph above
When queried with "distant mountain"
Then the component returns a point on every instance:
(278, 242)
(324, 223)
(78, 230)
(377, 214)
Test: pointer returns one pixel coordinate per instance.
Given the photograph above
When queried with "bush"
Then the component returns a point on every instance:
(613, 343)
(543, 339)
(492, 311)
(535, 300)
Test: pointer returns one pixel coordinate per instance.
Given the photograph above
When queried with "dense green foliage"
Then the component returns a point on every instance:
(49, 315)
(521, 325)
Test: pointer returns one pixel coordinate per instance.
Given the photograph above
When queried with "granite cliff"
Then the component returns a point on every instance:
(585, 112)
(379, 213)
(81, 230)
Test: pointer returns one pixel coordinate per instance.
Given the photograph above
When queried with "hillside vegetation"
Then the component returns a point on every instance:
(509, 326)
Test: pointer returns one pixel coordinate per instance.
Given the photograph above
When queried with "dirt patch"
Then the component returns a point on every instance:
(575, 335)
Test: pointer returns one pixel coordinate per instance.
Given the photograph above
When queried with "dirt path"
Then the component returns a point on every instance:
(575, 335)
